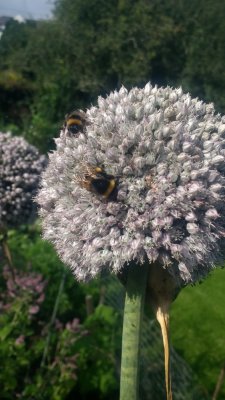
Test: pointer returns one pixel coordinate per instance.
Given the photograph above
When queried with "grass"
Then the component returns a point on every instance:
(198, 328)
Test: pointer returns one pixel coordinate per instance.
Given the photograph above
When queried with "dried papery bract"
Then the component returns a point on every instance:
(166, 152)
(161, 291)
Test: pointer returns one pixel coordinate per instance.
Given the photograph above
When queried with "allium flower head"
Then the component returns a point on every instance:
(167, 153)
(20, 169)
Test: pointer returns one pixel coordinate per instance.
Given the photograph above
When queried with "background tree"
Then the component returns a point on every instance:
(48, 68)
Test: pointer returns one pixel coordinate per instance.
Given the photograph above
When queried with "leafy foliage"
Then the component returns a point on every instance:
(203, 72)
(91, 48)
(97, 356)
(85, 347)
(197, 326)
(49, 346)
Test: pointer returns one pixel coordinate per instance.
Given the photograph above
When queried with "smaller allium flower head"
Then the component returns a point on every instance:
(20, 169)
(166, 151)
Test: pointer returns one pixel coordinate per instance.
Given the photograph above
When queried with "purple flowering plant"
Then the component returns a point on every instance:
(24, 335)
(20, 167)
(165, 225)
(167, 151)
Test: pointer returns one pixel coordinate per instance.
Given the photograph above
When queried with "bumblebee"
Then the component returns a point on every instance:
(75, 122)
(96, 180)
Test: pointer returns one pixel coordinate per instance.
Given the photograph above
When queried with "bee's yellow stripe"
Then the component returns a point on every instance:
(74, 121)
(112, 184)
(98, 169)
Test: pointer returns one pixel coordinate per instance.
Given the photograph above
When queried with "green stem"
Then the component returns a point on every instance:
(6, 251)
(133, 313)
(53, 317)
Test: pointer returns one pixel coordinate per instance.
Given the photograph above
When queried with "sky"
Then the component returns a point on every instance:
(32, 9)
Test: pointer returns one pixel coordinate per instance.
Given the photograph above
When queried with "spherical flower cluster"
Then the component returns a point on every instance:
(20, 169)
(167, 153)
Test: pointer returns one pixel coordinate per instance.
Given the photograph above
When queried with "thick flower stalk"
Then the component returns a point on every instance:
(20, 169)
(165, 152)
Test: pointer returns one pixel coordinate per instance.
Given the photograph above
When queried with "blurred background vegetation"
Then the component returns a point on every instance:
(58, 338)
(91, 47)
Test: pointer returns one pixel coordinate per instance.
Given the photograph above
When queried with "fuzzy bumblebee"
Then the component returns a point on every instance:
(96, 180)
(74, 122)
